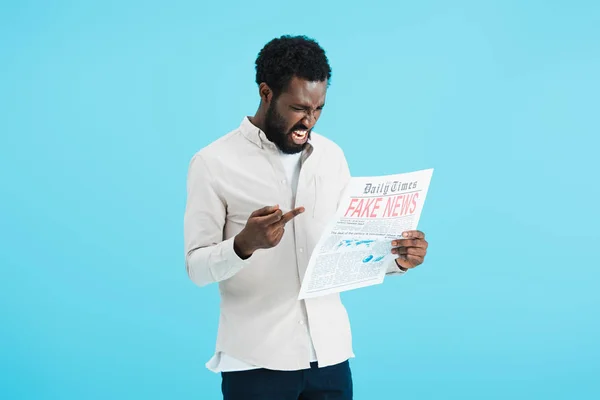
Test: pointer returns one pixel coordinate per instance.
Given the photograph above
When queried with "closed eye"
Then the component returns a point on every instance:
(297, 108)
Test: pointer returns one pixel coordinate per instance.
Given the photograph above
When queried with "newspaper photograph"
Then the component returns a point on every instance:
(354, 250)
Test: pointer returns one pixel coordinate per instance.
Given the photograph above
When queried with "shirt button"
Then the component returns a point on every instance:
(301, 322)
(301, 250)
(283, 181)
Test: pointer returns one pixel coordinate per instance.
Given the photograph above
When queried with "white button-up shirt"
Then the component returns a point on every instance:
(262, 322)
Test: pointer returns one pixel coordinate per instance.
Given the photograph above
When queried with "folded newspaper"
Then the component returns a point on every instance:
(355, 249)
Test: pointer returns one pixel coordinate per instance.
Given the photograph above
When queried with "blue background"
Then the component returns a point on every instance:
(102, 105)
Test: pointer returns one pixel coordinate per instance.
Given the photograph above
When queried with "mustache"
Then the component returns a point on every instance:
(300, 128)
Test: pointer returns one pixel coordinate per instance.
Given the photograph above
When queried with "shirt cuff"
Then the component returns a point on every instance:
(228, 252)
(231, 259)
(394, 269)
(215, 263)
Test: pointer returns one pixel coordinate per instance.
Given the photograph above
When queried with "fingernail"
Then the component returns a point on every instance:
(405, 234)
(394, 243)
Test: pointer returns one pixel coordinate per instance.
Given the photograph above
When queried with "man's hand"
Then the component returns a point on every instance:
(263, 230)
(411, 249)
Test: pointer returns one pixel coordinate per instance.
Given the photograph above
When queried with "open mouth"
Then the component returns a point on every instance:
(300, 136)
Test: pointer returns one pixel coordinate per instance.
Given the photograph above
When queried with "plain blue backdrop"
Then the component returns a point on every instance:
(103, 103)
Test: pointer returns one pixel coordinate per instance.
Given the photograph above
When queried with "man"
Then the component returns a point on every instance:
(258, 201)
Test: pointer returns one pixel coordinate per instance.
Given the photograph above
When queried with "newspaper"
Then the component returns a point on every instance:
(355, 249)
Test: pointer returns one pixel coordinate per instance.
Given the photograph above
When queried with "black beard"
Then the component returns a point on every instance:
(275, 132)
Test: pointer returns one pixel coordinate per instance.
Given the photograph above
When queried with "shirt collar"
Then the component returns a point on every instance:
(254, 134)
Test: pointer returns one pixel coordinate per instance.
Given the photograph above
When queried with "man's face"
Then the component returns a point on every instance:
(291, 117)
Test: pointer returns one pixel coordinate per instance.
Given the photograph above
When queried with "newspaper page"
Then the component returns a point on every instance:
(355, 249)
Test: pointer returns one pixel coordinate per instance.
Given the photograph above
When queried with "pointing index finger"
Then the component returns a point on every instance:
(288, 216)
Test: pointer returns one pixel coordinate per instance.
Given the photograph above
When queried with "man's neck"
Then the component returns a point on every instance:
(258, 119)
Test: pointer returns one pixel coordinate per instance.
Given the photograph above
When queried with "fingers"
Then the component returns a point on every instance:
(265, 211)
(413, 235)
(288, 216)
(411, 243)
(274, 235)
(270, 218)
(410, 251)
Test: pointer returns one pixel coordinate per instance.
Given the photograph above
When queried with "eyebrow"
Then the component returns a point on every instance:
(305, 106)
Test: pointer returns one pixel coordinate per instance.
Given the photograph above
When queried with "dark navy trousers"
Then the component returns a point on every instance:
(327, 383)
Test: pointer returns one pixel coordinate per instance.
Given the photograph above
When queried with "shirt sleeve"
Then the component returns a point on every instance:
(393, 269)
(208, 258)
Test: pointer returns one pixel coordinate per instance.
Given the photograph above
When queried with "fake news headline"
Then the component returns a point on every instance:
(384, 200)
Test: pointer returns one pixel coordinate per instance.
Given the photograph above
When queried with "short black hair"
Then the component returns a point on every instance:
(288, 56)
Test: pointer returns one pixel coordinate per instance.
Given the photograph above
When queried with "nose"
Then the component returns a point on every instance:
(310, 119)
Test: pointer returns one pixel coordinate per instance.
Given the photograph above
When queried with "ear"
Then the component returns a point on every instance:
(265, 92)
